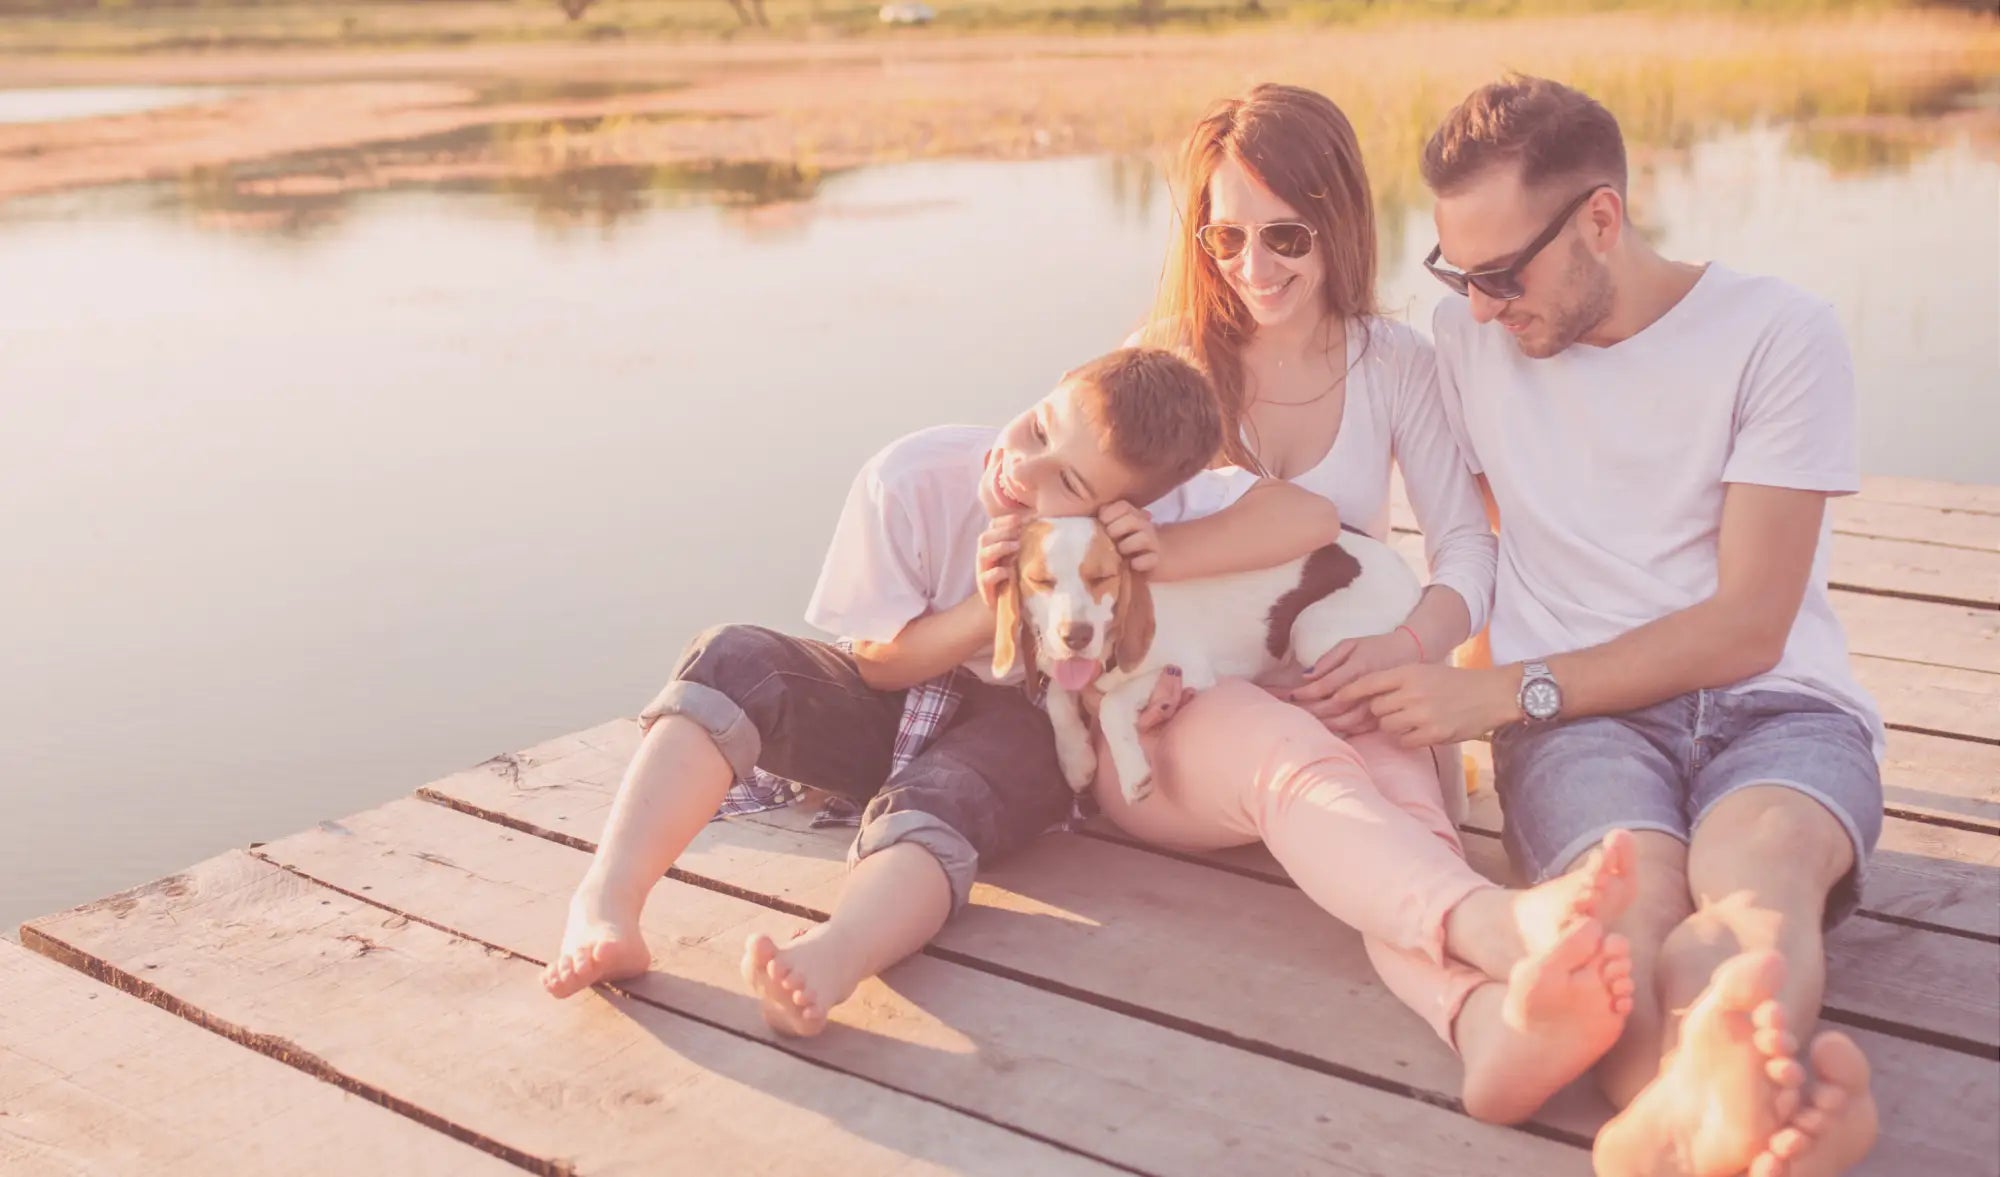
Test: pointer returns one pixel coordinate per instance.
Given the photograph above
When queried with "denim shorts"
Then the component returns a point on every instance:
(984, 787)
(1563, 786)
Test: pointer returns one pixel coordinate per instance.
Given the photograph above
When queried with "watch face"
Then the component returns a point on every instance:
(1541, 699)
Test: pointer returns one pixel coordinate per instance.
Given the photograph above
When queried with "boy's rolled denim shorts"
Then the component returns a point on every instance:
(1563, 786)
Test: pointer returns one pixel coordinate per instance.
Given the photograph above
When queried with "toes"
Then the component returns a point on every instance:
(1775, 1043)
(1788, 1143)
(1767, 1165)
(1812, 1121)
(1828, 1098)
(1746, 983)
(1838, 1062)
(1785, 1072)
(1574, 948)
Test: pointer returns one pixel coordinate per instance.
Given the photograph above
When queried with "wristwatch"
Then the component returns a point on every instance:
(1540, 698)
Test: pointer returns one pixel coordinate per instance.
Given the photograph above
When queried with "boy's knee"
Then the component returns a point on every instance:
(955, 854)
(718, 674)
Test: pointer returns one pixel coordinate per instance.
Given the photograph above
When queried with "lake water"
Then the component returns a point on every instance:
(306, 500)
(54, 104)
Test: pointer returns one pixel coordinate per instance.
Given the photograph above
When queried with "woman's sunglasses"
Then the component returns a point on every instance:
(1504, 282)
(1225, 242)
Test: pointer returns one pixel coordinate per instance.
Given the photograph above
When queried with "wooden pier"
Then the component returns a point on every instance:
(363, 996)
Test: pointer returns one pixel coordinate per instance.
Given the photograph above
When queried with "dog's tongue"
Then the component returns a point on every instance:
(1074, 674)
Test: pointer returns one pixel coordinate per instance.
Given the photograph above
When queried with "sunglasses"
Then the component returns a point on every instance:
(1504, 282)
(1225, 242)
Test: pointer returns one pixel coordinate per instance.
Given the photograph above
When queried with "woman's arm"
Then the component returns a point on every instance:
(1271, 523)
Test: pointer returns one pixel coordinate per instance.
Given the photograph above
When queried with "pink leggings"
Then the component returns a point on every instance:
(1359, 825)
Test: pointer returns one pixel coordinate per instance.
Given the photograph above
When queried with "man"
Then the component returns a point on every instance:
(1660, 439)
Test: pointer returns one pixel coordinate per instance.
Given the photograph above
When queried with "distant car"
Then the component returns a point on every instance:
(907, 12)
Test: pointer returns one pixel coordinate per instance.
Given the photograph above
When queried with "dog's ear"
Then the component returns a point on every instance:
(1007, 627)
(1134, 613)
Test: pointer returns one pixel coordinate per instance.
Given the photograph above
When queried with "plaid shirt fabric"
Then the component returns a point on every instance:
(927, 708)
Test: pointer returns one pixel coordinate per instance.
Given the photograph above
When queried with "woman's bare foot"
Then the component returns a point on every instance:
(1836, 1127)
(1494, 930)
(798, 984)
(1560, 1012)
(598, 945)
(1723, 1094)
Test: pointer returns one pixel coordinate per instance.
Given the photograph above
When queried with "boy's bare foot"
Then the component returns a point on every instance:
(1723, 1094)
(1562, 1010)
(1494, 930)
(1836, 1126)
(597, 946)
(798, 984)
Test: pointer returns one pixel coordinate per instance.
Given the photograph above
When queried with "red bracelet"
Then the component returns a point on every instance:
(1413, 637)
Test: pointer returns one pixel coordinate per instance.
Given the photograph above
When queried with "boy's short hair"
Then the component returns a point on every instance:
(1551, 131)
(1157, 412)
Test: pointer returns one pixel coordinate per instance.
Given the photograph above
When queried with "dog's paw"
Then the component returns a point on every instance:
(1078, 768)
(1136, 791)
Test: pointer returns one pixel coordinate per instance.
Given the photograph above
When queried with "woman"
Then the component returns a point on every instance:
(1270, 289)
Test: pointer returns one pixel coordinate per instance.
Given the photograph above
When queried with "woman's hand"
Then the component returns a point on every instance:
(1132, 530)
(998, 545)
(1343, 664)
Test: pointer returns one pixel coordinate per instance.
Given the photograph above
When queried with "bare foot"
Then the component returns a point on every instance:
(597, 946)
(1725, 1091)
(1561, 1011)
(1836, 1126)
(798, 984)
(1494, 930)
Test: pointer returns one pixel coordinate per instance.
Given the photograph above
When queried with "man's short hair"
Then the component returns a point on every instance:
(1157, 412)
(1552, 132)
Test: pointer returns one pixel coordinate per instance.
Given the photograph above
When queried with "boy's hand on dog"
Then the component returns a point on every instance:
(998, 545)
(1131, 528)
(1344, 664)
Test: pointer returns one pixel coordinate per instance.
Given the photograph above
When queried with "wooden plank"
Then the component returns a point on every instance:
(1158, 1100)
(1942, 699)
(1939, 875)
(1930, 776)
(1959, 528)
(1919, 569)
(95, 1082)
(1087, 916)
(1118, 923)
(1920, 631)
(1920, 492)
(462, 1032)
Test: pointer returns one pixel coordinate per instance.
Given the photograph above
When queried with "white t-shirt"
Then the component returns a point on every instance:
(907, 542)
(1610, 464)
(1392, 415)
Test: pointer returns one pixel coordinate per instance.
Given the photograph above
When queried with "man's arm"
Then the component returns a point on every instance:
(1273, 522)
(1765, 558)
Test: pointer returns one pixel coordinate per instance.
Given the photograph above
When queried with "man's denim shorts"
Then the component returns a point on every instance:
(1565, 785)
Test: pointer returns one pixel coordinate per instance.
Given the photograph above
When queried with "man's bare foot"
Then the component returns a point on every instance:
(798, 984)
(1561, 1011)
(1494, 930)
(597, 946)
(1723, 1094)
(1836, 1127)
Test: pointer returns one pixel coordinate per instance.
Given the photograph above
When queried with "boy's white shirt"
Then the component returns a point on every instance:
(907, 542)
(1609, 465)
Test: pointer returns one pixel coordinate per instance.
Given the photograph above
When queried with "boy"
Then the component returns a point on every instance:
(922, 547)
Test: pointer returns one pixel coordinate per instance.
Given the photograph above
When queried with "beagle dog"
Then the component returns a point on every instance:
(1077, 612)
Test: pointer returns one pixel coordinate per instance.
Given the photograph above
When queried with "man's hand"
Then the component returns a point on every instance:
(998, 545)
(1344, 664)
(1132, 530)
(1423, 703)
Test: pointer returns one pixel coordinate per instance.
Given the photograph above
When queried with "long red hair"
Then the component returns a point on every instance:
(1299, 145)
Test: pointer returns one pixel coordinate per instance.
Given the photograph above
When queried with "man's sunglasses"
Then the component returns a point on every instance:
(1504, 282)
(1224, 242)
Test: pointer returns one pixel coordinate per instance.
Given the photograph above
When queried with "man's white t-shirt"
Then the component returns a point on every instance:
(907, 542)
(1609, 465)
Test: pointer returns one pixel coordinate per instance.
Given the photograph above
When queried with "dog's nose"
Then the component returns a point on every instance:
(1076, 636)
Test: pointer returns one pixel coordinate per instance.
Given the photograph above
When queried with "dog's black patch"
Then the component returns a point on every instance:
(1327, 571)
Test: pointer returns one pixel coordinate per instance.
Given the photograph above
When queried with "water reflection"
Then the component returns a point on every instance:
(54, 104)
